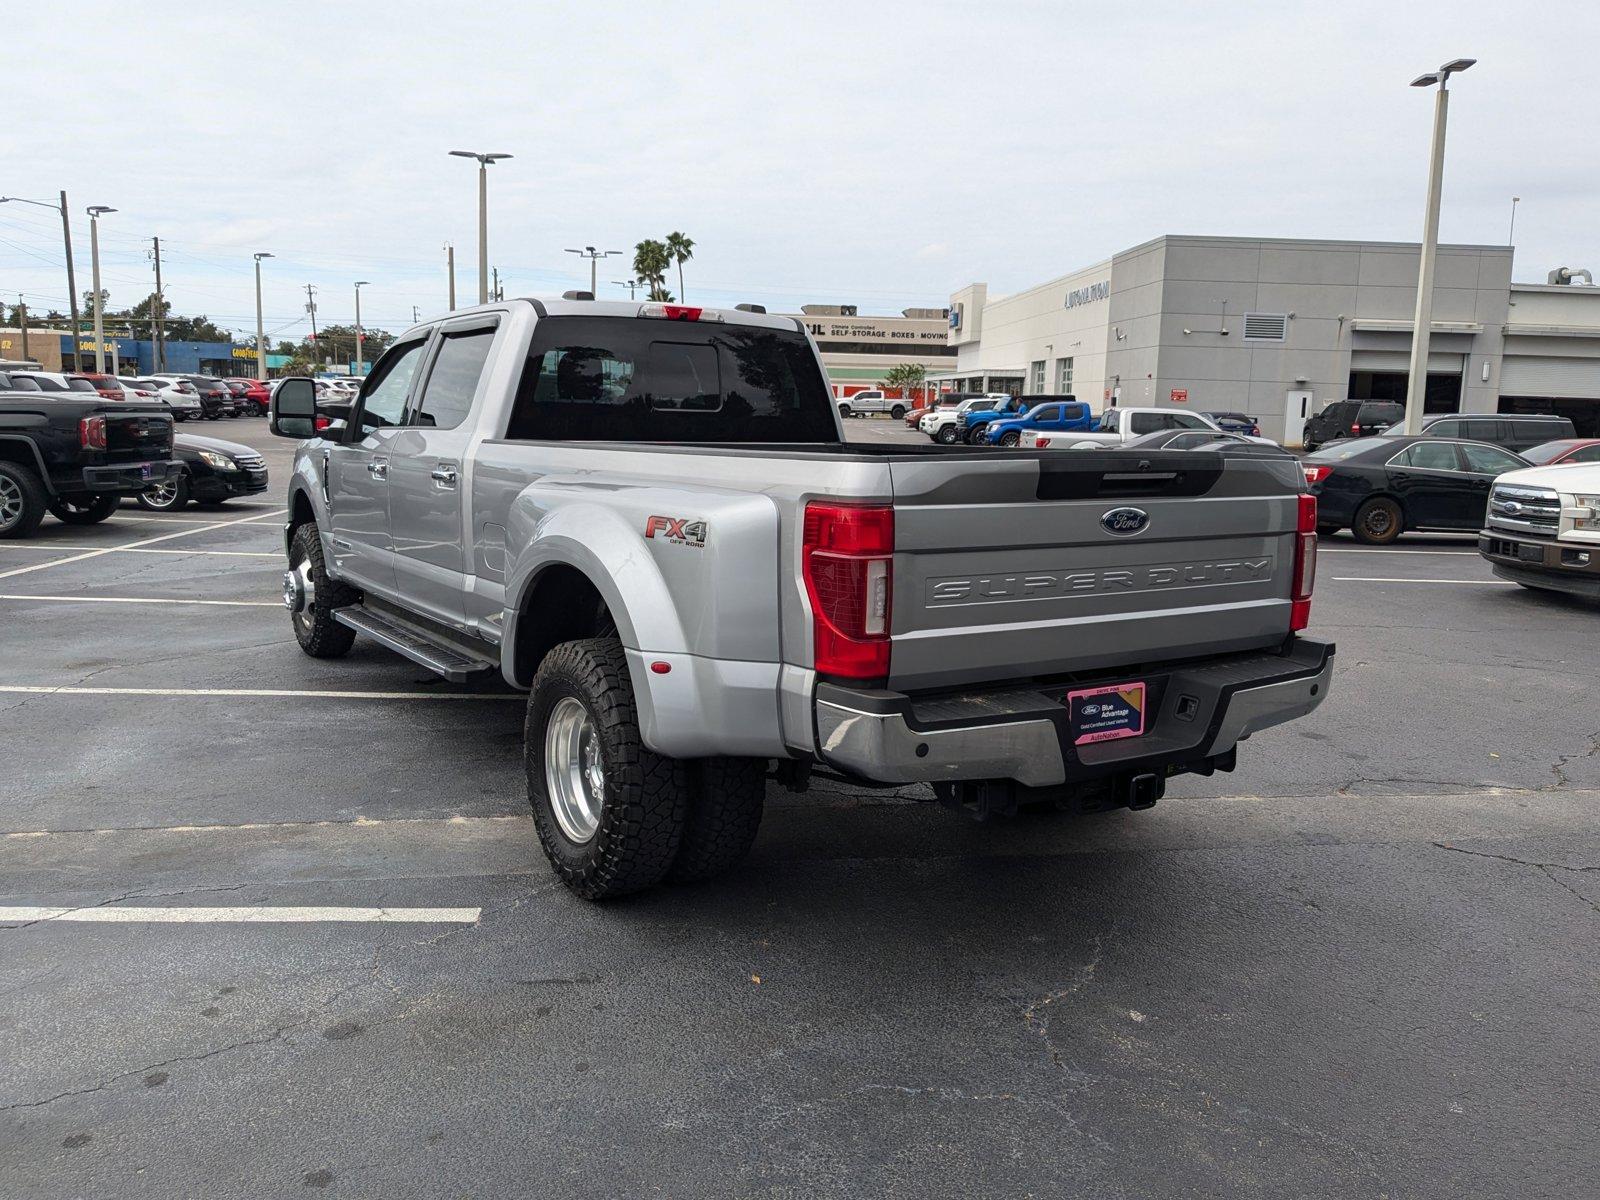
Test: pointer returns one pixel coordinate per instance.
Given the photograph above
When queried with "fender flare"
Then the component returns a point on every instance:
(38, 459)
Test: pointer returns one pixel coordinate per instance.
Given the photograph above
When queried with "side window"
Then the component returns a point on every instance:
(1431, 456)
(453, 381)
(1490, 460)
(1188, 421)
(1483, 431)
(1584, 454)
(1148, 423)
(383, 400)
(1053, 413)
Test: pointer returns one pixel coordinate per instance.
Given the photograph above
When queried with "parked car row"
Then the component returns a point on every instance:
(187, 397)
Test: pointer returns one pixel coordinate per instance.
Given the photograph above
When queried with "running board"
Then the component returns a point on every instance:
(448, 661)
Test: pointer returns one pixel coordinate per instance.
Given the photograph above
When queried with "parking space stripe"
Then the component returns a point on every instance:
(144, 600)
(1446, 553)
(45, 690)
(165, 537)
(24, 914)
(1391, 579)
(47, 547)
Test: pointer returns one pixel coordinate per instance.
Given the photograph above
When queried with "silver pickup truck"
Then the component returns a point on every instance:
(646, 516)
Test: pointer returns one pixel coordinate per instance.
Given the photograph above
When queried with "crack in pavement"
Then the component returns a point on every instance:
(1035, 1017)
(1547, 869)
(233, 887)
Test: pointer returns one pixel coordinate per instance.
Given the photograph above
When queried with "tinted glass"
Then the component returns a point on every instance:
(1484, 431)
(1490, 460)
(385, 398)
(1373, 414)
(1349, 449)
(1547, 452)
(447, 397)
(1148, 423)
(79, 385)
(1584, 454)
(1430, 456)
(630, 380)
(21, 383)
(1188, 421)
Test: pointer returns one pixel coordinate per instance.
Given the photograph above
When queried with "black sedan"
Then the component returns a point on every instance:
(1381, 487)
(213, 471)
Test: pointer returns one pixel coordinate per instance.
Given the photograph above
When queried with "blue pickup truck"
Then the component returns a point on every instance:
(1061, 416)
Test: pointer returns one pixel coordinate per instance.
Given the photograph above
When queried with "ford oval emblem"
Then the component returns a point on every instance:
(1124, 521)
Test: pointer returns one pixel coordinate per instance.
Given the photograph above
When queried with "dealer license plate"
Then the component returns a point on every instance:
(1104, 714)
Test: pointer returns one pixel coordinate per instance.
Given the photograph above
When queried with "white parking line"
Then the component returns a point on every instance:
(23, 914)
(43, 690)
(1390, 579)
(1446, 553)
(165, 537)
(145, 600)
(48, 546)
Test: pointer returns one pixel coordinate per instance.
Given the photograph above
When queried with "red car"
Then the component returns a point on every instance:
(1564, 450)
(106, 385)
(251, 391)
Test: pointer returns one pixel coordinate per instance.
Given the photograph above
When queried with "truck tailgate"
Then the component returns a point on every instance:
(136, 435)
(1086, 561)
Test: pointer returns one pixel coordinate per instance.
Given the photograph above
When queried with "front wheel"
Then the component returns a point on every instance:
(1378, 522)
(609, 812)
(167, 496)
(85, 512)
(311, 595)
(946, 436)
(1010, 439)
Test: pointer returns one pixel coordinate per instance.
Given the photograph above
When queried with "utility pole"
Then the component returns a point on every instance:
(359, 284)
(261, 336)
(72, 281)
(311, 307)
(22, 320)
(450, 252)
(160, 333)
(494, 293)
(416, 314)
(1422, 326)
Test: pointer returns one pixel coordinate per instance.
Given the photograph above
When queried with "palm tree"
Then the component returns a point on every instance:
(680, 248)
(650, 262)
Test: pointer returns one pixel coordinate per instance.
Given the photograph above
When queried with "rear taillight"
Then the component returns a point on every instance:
(92, 433)
(1305, 564)
(1317, 474)
(1355, 427)
(321, 423)
(848, 553)
(1039, 443)
(676, 312)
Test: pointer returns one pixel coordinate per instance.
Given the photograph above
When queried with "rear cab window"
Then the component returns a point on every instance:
(625, 379)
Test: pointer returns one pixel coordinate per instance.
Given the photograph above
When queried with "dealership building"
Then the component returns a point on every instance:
(857, 350)
(1279, 328)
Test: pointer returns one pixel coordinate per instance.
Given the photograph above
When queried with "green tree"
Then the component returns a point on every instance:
(650, 263)
(338, 342)
(679, 248)
(299, 364)
(908, 377)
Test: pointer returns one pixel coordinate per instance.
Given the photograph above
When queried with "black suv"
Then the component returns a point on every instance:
(1351, 419)
(1514, 431)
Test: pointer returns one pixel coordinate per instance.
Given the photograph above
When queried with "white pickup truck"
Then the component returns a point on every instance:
(1543, 528)
(866, 403)
(1118, 425)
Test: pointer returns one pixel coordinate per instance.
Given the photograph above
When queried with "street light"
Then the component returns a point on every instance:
(261, 336)
(360, 283)
(630, 284)
(96, 211)
(594, 256)
(1422, 327)
(483, 216)
(66, 238)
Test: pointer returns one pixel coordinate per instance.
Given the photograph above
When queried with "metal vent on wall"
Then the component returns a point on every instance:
(1266, 327)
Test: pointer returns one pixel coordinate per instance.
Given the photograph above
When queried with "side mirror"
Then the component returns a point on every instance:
(293, 410)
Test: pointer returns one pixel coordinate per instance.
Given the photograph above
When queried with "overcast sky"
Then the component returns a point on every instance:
(882, 154)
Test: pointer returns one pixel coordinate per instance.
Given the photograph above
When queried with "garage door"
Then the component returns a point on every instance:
(1439, 363)
(1548, 375)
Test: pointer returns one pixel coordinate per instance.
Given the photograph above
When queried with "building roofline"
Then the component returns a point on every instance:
(1320, 243)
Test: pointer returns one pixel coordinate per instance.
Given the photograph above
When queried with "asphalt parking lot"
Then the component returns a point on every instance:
(1365, 964)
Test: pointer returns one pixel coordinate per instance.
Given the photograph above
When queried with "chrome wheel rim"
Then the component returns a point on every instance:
(10, 502)
(300, 594)
(162, 495)
(574, 772)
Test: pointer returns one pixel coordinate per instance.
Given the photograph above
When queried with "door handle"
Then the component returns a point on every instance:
(378, 468)
(445, 475)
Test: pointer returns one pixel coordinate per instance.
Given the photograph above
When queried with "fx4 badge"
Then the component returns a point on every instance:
(680, 531)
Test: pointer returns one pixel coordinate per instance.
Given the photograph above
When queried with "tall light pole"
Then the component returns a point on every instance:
(631, 284)
(1422, 326)
(1512, 232)
(483, 216)
(66, 238)
(360, 283)
(261, 334)
(594, 256)
(96, 211)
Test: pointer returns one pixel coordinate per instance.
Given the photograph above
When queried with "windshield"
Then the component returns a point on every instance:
(79, 385)
(1541, 454)
(1348, 448)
